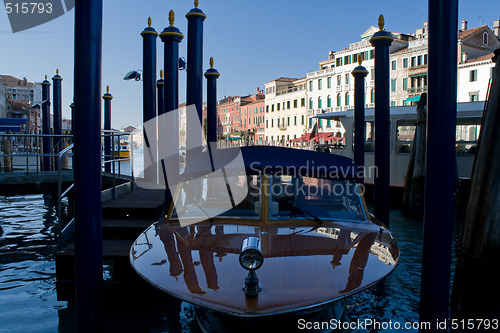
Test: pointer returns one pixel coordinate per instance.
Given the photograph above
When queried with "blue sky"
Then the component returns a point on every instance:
(252, 42)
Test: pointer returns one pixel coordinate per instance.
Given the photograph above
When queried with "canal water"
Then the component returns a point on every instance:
(28, 300)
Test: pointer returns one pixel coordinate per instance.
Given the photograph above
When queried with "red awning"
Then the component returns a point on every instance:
(320, 136)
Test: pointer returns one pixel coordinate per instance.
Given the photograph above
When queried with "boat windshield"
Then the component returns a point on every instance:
(297, 197)
(219, 195)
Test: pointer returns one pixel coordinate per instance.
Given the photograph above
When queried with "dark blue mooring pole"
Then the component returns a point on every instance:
(46, 124)
(57, 110)
(381, 40)
(149, 36)
(440, 167)
(169, 129)
(359, 74)
(194, 93)
(87, 166)
(107, 127)
(160, 92)
(212, 75)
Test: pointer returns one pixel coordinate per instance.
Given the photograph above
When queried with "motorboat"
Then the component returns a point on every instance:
(259, 237)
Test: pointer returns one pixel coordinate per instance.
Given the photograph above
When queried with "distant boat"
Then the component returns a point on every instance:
(122, 149)
(301, 228)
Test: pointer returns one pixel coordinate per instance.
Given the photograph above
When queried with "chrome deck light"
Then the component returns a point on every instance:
(251, 259)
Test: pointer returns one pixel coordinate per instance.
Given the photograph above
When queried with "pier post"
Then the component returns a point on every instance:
(359, 74)
(212, 75)
(107, 127)
(87, 166)
(149, 36)
(57, 110)
(440, 160)
(160, 92)
(194, 93)
(46, 124)
(381, 41)
(169, 130)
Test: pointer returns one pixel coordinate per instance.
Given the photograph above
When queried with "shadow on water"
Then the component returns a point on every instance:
(28, 300)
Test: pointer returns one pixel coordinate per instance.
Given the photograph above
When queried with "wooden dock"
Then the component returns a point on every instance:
(124, 219)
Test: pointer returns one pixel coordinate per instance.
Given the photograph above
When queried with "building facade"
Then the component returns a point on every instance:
(22, 90)
(285, 103)
(3, 101)
(252, 117)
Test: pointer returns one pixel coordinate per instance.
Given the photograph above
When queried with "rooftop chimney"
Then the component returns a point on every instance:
(464, 25)
(331, 55)
(464, 56)
(496, 28)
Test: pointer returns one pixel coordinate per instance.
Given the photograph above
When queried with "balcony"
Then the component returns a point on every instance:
(347, 87)
(339, 88)
(417, 90)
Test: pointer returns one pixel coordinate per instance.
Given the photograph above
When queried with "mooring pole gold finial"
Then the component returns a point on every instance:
(161, 74)
(107, 89)
(360, 59)
(211, 62)
(196, 2)
(57, 71)
(149, 22)
(381, 22)
(171, 18)
(45, 77)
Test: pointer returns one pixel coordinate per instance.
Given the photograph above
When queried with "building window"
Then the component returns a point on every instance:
(310, 122)
(310, 86)
(372, 54)
(372, 74)
(329, 123)
(302, 120)
(267, 123)
(413, 61)
(272, 122)
(288, 105)
(278, 106)
(320, 103)
(272, 108)
(405, 63)
(320, 83)
(339, 100)
(347, 60)
(347, 78)
(393, 85)
(346, 99)
(288, 121)
(339, 62)
(329, 82)
(485, 38)
(419, 60)
(473, 75)
(425, 59)
(393, 103)
(295, 120)
(474, 97)
(310, 103)
(339, 80)
(393, 65)
(267, 108)
(278, 122)
(329, 101)
(303, 102)
(295, 103)
(283, 105)
(372, 97)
